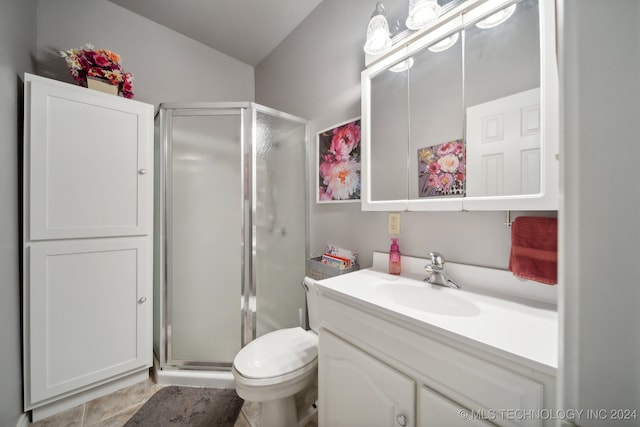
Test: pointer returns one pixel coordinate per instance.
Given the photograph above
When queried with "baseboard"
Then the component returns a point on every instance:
(68, 402)
(23, 421)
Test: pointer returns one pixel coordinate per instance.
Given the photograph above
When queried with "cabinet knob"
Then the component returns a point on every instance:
(142, 299)
(402, 420)
(142, 171)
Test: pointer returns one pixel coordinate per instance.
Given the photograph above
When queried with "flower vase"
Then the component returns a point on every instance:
(102, 85)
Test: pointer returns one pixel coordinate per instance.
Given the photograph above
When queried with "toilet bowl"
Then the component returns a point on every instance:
(274, 368)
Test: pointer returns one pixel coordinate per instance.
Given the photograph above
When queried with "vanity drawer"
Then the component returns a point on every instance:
(460, 372)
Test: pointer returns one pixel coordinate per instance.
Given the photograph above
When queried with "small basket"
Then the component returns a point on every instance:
(318, 271)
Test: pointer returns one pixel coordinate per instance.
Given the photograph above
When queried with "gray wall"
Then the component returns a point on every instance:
(167, 66)
(315, 73)
(17, 45)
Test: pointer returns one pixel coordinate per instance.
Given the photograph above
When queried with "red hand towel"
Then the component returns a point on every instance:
(534, 249)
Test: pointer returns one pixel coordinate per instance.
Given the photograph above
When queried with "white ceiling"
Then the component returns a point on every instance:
(247, 30)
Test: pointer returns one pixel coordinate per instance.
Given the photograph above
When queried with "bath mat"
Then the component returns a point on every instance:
(189, 406)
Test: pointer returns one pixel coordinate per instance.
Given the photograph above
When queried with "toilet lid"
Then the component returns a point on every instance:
(277, 353)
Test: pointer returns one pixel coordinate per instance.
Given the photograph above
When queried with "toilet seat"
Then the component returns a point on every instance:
(278, 354)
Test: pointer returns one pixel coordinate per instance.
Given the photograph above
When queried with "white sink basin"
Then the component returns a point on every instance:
(426, 297)
(511, 326)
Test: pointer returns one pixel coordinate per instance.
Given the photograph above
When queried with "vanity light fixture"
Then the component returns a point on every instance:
(378, 37)
(421, 12)
(445, 43)
(497, 18)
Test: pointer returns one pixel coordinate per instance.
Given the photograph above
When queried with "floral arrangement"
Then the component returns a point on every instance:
(442, 169)
(339, 163)
(99, 63)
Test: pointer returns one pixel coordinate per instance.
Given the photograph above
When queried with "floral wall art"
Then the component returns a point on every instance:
(442, 170)
(339, 163)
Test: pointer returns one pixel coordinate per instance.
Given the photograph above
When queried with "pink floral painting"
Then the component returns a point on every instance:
(339, 163)
(442, 170)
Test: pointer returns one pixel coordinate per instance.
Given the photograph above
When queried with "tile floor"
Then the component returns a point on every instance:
(115, 409)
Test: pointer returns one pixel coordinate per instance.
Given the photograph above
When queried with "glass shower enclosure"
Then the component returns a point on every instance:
(231, 235)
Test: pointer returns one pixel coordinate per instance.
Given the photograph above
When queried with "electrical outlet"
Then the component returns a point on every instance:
(394, 223)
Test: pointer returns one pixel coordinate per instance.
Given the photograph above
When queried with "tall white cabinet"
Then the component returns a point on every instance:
(87, 244)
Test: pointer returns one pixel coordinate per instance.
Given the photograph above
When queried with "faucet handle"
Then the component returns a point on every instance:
(437, 259)
(429, 270)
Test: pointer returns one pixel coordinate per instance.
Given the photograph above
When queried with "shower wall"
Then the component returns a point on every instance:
(231, 235)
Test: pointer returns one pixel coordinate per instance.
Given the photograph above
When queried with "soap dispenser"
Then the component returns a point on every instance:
(394, 257)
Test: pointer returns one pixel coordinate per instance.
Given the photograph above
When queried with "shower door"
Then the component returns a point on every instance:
(279, 219)
(204, 219)
(231, 230)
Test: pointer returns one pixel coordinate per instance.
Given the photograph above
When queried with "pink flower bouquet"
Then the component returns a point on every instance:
(99, 63)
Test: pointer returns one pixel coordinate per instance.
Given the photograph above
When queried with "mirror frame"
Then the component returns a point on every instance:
(450, 22)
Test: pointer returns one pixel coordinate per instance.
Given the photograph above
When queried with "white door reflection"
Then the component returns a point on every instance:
(503, 146)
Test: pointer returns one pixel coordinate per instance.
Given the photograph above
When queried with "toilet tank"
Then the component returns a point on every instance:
(312, 303)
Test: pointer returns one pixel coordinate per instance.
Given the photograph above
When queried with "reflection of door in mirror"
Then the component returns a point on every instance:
(502, 100)
(503, 151)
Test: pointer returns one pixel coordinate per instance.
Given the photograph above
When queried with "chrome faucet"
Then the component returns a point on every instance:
(436, 274)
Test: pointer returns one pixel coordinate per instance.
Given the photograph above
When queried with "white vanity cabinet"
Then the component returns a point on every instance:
(435, 410)
(373, 366)
(87, 244)
(359, 390)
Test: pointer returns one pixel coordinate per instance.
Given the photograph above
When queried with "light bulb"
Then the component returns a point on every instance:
(421, 12)
(497, 18)
(444, 44)
(402, 65)
(378, 37)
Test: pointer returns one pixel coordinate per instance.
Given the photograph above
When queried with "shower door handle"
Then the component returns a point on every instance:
(142, 300)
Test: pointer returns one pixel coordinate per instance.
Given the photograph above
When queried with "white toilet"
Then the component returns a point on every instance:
(275, 367)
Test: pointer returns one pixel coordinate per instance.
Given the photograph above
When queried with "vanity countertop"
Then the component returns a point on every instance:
(522, 330)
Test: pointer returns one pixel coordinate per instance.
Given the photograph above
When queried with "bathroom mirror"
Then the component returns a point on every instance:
(389, 109)
(436, 117)
(502, 102)
(463, 116)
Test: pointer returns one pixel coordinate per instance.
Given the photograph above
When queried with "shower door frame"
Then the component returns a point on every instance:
(250, 300)
(247, 112)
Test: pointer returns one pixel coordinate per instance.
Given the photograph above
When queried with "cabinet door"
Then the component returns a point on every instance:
(88, 313)
(435, 410)
(356, 389)
(88, 162)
